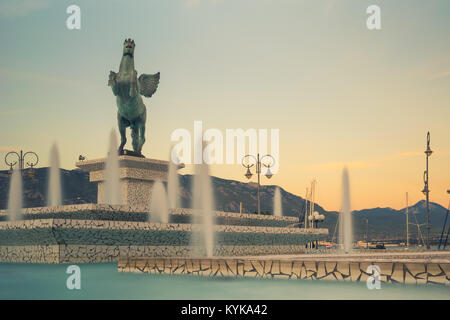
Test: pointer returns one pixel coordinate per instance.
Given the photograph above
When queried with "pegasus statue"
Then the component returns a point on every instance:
(131, 110)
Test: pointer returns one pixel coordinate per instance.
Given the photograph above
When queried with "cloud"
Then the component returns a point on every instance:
(195, 3)
(440, 75)
(337, 166)
(21, 8)
(192, 3)
(402, 155)
(436, 67)
(50, 79)
(8, 149)
(11, 112)
(329, 7)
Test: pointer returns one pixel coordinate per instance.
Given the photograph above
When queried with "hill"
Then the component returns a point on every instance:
(383, 223)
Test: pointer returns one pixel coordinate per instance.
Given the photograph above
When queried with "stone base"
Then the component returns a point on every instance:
(136, 192)
(136, 177)
(132, 153)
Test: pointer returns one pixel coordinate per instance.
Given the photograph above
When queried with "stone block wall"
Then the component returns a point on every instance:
(85, 253)
(141, 214)
(107, 240)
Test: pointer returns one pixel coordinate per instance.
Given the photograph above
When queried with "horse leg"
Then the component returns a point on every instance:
(112, 82)
(135, 137)
(122, 123)
(141, 128)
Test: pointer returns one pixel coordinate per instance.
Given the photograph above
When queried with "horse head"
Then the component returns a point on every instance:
(128, 48)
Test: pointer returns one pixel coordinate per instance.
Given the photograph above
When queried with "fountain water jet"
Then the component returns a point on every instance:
(112, 194)
(54, 187)
(345, 216)
(15, 196)
(158, 205)
(173, 186)
(203, 203)
(277, 204)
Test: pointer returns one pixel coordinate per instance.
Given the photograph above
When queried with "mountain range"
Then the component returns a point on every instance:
(373, 223)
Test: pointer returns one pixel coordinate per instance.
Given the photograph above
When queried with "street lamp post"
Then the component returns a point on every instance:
(426, 189)
(258, 161)
(443, 227)
(20, 160)
(367, 233)
(407, 222)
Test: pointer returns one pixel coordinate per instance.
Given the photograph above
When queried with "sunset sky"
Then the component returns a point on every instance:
(339, 93)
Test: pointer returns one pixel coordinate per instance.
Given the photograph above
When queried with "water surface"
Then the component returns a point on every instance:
(102, 281)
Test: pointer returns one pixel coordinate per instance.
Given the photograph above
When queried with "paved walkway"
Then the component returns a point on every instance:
(428, 256)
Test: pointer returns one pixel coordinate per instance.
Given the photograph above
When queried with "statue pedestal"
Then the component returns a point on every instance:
(136, 177)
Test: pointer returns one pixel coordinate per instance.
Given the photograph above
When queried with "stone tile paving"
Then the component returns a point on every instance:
(417, 271)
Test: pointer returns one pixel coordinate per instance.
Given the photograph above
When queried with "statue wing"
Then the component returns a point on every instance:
(148, 83)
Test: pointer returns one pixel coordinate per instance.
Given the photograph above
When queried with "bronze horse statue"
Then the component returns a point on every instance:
(128, 88)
